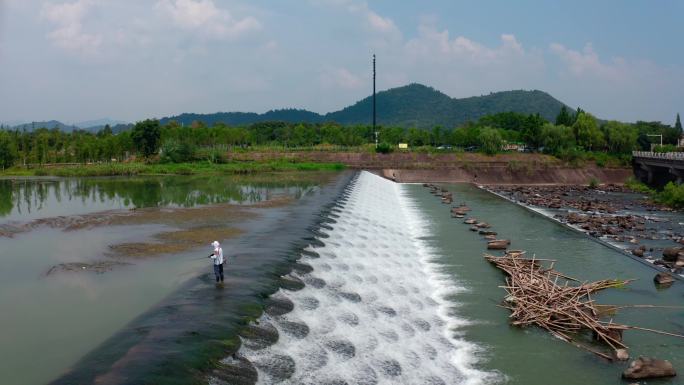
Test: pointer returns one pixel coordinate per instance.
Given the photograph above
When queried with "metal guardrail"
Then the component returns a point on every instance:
(659, 155)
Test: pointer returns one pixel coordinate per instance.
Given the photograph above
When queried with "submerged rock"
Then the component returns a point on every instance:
(278, 306)
(644, 367)
(279, 367)
(291, 283)
(98, 267)
(295, 329)
(352, 297)
(236, 371)
(639, 252)
(260, 336)
(342, 348)
(390, 368)
(302, 268)
(672, 254)
(663, 279)
(498, 244)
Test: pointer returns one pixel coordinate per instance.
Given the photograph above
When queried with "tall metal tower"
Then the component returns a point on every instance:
(375, 130)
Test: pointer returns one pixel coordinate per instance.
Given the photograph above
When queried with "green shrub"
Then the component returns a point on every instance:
(41, 172)
(384, 148)
(173, 151)
(184, 170)
(665, 148)
(216, 156)
(601, 161)
(573, 156)
(637, 186)
(672, 195)
(593, 183)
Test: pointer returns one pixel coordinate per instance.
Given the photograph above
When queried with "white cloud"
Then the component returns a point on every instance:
(461, 66)
(341, 78)
(439, 45)
(69, 33)
(203, 17)
(587, 63)
(383, 29)
(616, 88)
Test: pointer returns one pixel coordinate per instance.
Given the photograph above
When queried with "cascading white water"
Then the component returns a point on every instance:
(373, 309)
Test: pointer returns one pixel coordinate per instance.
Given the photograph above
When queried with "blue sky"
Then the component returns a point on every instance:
(79, 60)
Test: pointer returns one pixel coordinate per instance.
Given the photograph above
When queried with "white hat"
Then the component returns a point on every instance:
(215, 244)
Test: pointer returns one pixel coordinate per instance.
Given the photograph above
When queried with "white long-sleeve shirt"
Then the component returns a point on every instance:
(217, 256)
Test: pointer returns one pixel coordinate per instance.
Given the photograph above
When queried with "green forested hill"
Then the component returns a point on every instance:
(414, 105)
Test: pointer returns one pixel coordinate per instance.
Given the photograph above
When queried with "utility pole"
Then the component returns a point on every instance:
(375, 130)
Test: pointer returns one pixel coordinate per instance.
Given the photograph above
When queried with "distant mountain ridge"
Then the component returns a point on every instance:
(413, 105)
(91, 125)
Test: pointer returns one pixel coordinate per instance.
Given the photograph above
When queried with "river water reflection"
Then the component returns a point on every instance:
(66, 286)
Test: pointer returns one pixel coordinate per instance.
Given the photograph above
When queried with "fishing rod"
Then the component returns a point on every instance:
(209, 256)
(197, 259)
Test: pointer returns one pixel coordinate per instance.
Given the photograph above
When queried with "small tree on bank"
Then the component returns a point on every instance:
(564, 118)
(490, 141)
(146, 136)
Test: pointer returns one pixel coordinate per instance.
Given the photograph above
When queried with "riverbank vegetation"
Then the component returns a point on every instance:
(574, 137)
(194, 168)
(672, 195)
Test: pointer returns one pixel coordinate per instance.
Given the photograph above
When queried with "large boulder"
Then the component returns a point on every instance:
(663, 279)
(498, 244)
(672, 254)
(644, 367)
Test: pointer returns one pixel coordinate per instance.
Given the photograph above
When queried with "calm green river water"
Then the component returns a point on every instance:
(531, 356)
(48, 322)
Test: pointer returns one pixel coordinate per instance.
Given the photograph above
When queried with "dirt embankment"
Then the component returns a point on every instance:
(512, 168)
(497, 175)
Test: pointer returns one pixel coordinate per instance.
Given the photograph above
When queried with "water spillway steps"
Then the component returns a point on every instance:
(372, 309)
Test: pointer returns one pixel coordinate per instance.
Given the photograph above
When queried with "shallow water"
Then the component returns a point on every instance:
(530, 356)
(395, 292)
(50, 321)
(400, 294)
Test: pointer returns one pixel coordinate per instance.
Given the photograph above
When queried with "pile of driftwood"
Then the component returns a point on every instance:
(543, 297)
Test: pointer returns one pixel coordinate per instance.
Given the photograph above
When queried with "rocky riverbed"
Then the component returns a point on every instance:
(613, 214)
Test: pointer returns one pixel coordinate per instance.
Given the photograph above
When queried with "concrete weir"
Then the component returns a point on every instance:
(372, 309)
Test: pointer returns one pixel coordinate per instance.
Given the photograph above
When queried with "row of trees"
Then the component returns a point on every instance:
(571, 131)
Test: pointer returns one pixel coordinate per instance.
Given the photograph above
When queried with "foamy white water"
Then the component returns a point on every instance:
(373, 310)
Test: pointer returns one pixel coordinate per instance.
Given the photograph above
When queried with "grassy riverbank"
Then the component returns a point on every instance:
(198, 168)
